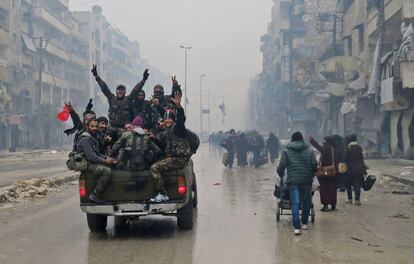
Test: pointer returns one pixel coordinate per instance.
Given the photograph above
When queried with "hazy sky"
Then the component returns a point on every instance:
(224, 34)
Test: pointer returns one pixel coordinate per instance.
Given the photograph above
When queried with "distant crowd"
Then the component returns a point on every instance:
(249, 147)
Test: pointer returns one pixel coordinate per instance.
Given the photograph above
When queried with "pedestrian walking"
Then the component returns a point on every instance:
(229, 144)
(329, 156)
(356, 168)
(273, 147)
(300, 162)
(241, 150)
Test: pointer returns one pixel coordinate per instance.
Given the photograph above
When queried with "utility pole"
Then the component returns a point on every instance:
(39, 91)
(201, 106)
(208, 104)
(185, 76)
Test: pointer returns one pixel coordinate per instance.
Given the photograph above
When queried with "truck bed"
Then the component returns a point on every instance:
(138, 186)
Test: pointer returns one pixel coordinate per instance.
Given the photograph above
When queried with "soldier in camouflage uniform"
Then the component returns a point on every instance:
(119, 105)
(175, 146)
(98, 164)
(161, 102)
(138, 150)
(141, 107)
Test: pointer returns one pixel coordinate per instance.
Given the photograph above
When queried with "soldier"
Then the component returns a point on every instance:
(119, 105)
(141, 107)
(161, 102)
(138, 150)
(98, 164)
(174, 144)
(105, 135)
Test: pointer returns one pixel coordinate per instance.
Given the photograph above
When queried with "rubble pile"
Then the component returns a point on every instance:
(29, 189)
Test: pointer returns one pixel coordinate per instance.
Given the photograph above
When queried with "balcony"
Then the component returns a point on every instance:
(51, 20)
(391, 8)
(120, 48)
(78, 60)
(4, 38)
(47, 78)
(65, 3)
(58, 52)
(5, 5)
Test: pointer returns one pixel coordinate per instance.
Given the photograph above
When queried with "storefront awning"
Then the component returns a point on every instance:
(342, 63)
(28, 43)
(358, 84)
(336, 89)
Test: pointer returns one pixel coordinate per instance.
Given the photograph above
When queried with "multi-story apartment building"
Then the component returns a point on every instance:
(46, 52)
(334, 85)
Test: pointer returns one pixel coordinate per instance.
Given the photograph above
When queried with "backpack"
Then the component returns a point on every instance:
(77, 160)
(137, 159)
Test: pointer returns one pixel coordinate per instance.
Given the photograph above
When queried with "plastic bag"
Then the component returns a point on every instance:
(315, 184)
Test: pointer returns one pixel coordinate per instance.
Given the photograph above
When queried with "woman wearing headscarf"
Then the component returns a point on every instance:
(329, 156)
(356, 168)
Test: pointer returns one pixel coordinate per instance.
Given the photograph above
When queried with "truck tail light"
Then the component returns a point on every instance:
(182, 187)
(82, 189)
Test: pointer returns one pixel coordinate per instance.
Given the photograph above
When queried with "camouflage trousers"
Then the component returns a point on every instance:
(104, 175)
(167, 164)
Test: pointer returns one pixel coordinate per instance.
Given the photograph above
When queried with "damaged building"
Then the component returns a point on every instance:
(340, 67)
(46, 52)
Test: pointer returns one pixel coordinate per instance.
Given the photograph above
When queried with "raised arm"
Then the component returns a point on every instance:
(179, 127)
(104, 87)
(315, 144)
(139, 86)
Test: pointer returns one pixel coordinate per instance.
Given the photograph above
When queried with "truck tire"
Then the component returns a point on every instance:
(96, 222)
(194, 189)
(185, 216)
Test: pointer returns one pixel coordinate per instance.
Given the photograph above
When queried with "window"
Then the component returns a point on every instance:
(348, 45)
(361, 38)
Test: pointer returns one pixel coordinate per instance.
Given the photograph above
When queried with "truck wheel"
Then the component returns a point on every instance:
(195, 197)
(96, 222)
(121, 223)
(185, 216)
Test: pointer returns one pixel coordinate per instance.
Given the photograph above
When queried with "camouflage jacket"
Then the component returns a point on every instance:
(119, 108)
(174, 141)
(146, 112)
(141, 156)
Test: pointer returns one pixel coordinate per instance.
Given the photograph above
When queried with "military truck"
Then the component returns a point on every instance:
(128, 195)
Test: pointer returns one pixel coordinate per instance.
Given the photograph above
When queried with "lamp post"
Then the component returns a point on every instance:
(201, 106)
(185, 76)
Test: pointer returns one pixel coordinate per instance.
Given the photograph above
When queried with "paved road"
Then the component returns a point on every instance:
(32, 166)
(235, 224)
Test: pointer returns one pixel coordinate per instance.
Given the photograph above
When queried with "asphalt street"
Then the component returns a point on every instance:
(235, 223)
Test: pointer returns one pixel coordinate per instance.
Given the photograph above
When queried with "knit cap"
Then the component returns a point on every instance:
(137, 122)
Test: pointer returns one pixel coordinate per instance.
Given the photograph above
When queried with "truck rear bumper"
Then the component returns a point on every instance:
(131, 209)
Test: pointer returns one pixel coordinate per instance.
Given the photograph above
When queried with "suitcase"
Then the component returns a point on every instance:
(369, 182)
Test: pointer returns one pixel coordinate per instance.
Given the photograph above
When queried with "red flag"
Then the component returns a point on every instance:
(64, 116)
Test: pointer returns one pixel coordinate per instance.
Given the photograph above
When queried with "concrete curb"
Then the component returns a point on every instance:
(406, 181)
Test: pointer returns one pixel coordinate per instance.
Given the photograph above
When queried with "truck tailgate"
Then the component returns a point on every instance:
(127, 186)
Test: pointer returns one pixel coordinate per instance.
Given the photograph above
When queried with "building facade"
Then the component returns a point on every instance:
(340, 67)
(46, 53)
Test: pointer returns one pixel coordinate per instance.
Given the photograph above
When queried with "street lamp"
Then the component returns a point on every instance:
(185, 77)
(201, 106)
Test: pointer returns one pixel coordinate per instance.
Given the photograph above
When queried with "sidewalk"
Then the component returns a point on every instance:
(398, 169)
(27, 152)
(5, 154)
